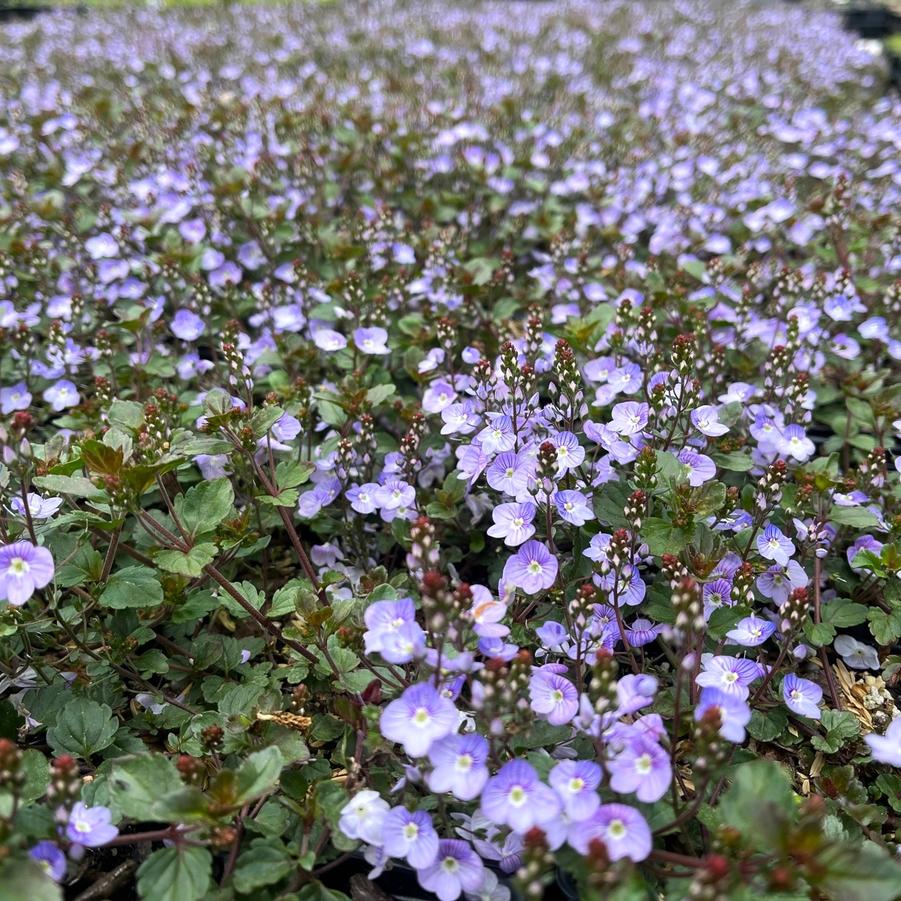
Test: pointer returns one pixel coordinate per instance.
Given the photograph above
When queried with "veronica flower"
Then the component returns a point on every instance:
(733, 711)
(802, 696)
(633, 692)
(363, 497)
(16, 397)
(510, 473)
(286, 428)
(856, 654)
(371, 340)
(717, 594)
(513, 523)
(706, 420)
(23, 568)
(457, 869)
(62, 395)
(751, 631)
(420, 716)
(700, 467)
(886, 748)
(517, 798)
(395, 495)
(554, 696)
(438, 396)
(39, 507)
(363, 816)
(731, 675)
(329, 340)
(642, 767)
(532, 568)
(570, 454)
(778, 582)
(187, 325)
(629, 418)
(795, 443)
(460, 419)
(576, 783)
(642, 631)
(410, 835)
(50, 858)
(498, 436)
(459, 766)
(90, 826)
(573, 507)
(773, 545)
(622, 829)
(552, 635)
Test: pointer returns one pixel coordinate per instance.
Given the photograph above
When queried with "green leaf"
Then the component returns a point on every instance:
(290, 475)
(132, 587)
(175, 874)
(204, 506)
(126, 413)
(76, 486)
(819, 634)
(259, 773)
(733, 462)
(767, 726)
(858, 517)
(20, 879)
(83, 727)
(283, 499)
(379, 393)
(840, 725)
(843, 613)
(189, 564)
(36, 770)
(663, 537)
(885, 627)
(137, 783)
(859, 872)
(758, 803)
(263, 863)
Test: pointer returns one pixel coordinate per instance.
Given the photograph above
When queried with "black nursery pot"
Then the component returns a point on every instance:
(9, 13)
(872, 21)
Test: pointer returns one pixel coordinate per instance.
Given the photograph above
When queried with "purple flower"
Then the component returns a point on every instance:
(622, 829)
(773, 545)
(498, 436)
(706, 421)
(438, 396)
(187, 325)
(51, 859)
(642, 632)
(573, 507)
(642, 767)
(16, 397)
(510, 473)
(887, 748)
(576, 783)
(778, 582)
(23, 568)
(363, 816)
(457, 869)
(371, 340)
(459, 766)
(329, 340)
(39, 507)
(420, 716)
(392, 631)
(717, 594)
(751, 631)
(570, 454)
(62, 395)
(410, 835)
(90, 826)
(459, 419)
(731, 675)
(733, 711)
(286, 427)
(855, 653)
(517, 798)
(363, 497)
(513, 523)
(802, 696)
(795, 443)
(700, 467)
(532, 568)
(629, 418)
(554, 696)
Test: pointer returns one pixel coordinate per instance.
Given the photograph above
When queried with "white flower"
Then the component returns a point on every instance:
(855, 653)
(362, 817)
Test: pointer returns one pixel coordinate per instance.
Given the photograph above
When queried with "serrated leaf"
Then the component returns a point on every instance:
(137, 783)
(187, 564)
(203, 507)
(134, 587)
(82, 728)
(858, 517)
(258, 773)
(175, 874)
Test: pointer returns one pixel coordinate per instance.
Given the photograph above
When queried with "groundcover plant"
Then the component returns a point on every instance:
(452, 442)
